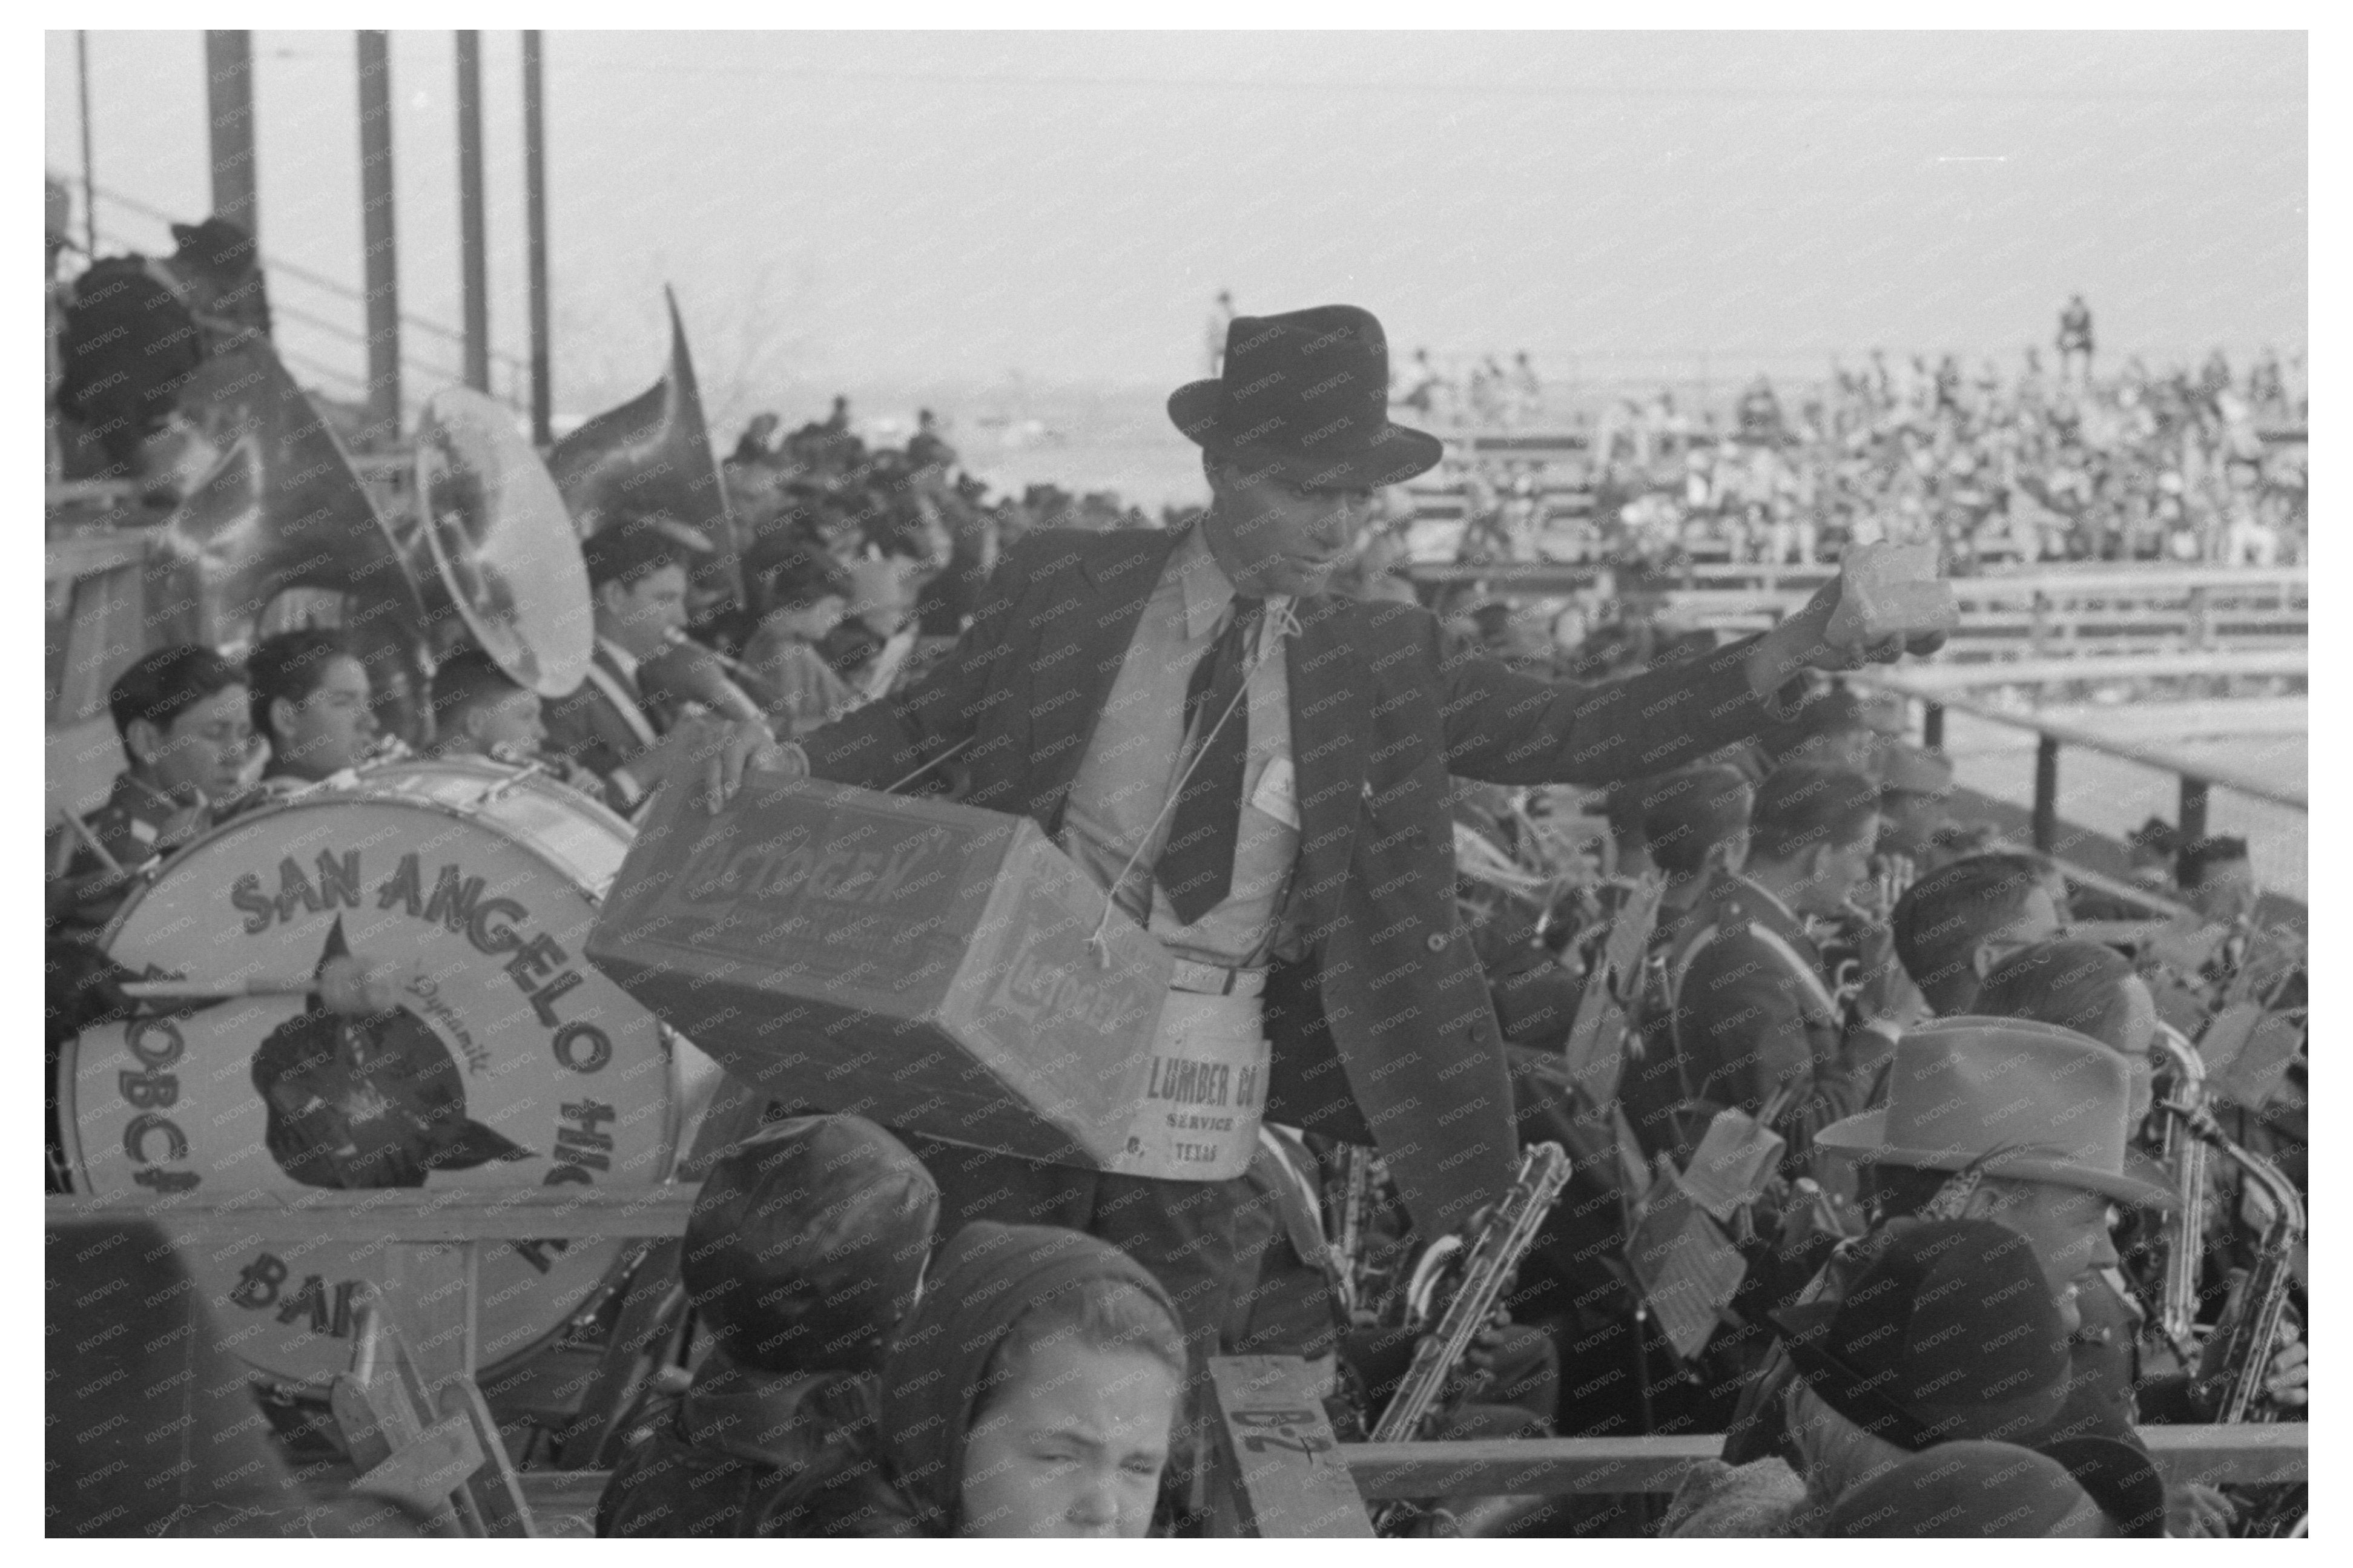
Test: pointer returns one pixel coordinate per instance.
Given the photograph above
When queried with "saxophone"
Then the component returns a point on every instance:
(1353, 1207)
(1490, 1260)
(2185, 1230)
(2250, 1324)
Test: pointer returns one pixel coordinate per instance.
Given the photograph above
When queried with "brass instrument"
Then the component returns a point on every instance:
(652, 454)
(492, 548)
(1490, 1260)
(280, 509)
(1353, 1205)
(2250, 1330)
(692, 672)
(2185, 1229)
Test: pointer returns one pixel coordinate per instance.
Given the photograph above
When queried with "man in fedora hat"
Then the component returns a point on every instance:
(1257, 774)
(2021, 1122)
(1948, 1337)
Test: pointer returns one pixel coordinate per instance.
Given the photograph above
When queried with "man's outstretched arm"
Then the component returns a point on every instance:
(1508, 728)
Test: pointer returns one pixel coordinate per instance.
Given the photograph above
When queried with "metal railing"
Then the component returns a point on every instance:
(2198, 779)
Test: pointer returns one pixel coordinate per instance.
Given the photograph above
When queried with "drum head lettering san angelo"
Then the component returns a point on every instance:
(510, 1062)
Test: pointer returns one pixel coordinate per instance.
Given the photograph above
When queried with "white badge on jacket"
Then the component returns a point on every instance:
(1277, 793)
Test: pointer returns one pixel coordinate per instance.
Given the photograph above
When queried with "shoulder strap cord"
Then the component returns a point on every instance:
(610, 685)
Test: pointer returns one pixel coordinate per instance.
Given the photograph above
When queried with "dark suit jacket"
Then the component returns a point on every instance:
(1754, 1016)
(1383, 1032)
(588, 728)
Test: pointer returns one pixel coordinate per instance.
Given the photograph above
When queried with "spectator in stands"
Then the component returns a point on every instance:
(1034, 1392)
(2021, 1123)
(1949, 1335)
(806, 1248)
(804, 596)
(310, 702)
(1974, 1490)
(1915, 789)
(2217, 878)
(1954, 924)
(757, 443)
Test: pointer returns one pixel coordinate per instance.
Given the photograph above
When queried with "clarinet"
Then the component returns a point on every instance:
(1496, 1251)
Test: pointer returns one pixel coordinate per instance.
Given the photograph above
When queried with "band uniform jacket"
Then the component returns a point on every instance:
(590, 727)
(1381, 1029)
(1752, 1016)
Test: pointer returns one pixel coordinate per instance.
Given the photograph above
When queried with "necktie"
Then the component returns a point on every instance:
(1195, 868)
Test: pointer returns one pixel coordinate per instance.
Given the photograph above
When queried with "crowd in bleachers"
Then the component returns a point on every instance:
(2141, 465)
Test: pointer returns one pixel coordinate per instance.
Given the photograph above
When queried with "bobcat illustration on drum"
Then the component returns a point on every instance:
(374, 1101)
(465, 889)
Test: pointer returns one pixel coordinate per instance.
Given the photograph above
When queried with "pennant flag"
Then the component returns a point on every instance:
(652, 454)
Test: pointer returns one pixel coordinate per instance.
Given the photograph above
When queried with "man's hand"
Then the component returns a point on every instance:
(2194, 1510)
(194, 816)
(722, 754)
(2286, 1382)
(1887, 995)
(1802, 641)
(356, 989)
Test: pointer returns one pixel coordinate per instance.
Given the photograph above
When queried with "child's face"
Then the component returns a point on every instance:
(1072, 1447)
(205, 747)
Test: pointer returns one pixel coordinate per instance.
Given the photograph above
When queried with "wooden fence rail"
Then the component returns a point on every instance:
(431, 1239)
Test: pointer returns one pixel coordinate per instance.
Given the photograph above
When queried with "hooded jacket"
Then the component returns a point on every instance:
(908, 1480)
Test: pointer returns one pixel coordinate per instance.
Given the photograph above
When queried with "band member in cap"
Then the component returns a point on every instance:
(310, 703)
(1257, 773)
(1916, 791)
(480, 710)
(1753, 1020)
(1953, 925)
(180, 712)
(637, 581)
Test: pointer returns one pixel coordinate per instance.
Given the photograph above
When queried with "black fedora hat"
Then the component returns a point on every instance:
(1307, 395)
(1950, 1334)
(2120, 1478)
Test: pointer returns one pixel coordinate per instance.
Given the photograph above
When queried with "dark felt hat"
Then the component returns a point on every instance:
(1950, 1334)
(2013, 1098)
(2121, 1479)
(808, 1241)
(1307, 394)
(1962, 1491)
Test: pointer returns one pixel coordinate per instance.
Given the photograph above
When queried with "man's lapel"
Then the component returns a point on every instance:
(1331, 721)
(1082, 646)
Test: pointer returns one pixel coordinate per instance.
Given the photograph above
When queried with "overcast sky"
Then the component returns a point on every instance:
(945, 208)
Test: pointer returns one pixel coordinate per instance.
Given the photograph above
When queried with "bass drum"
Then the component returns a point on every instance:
(511, 1063)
